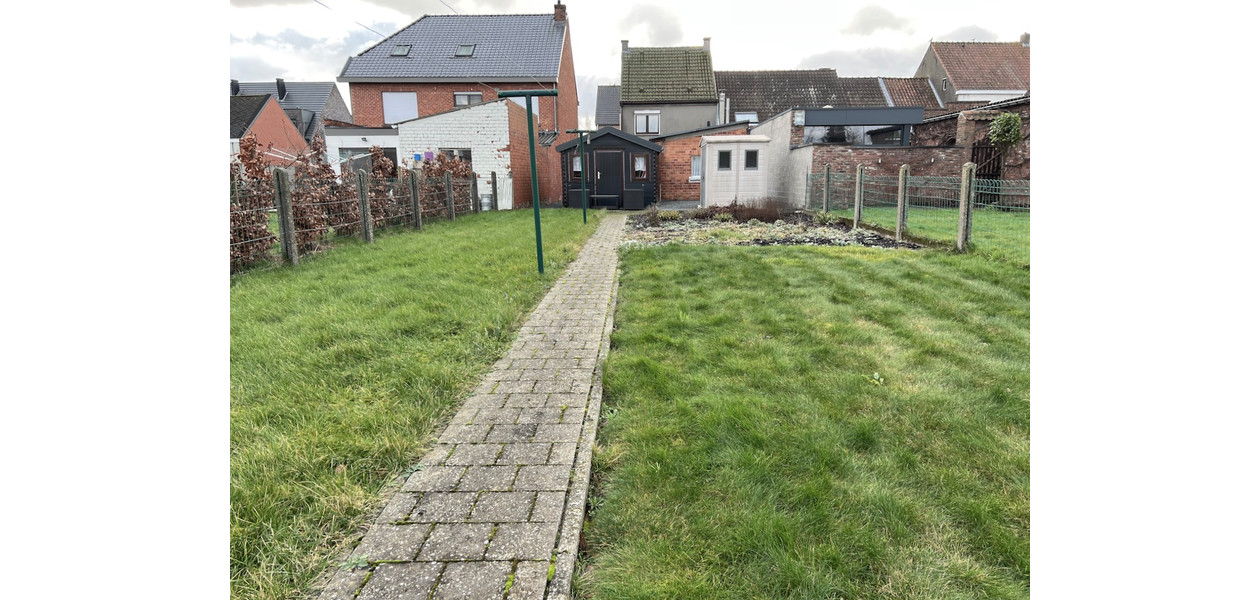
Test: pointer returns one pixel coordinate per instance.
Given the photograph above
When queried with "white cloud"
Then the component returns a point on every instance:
(872, 18)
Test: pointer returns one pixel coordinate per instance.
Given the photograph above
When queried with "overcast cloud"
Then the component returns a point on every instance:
(869, 62)
(871, 18)
(662, 25)
(971, 33)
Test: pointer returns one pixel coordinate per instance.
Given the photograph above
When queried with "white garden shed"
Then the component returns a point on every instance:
(733, 167)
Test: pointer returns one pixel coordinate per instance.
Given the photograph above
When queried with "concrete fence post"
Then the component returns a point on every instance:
(964, 206)
(476, 198)
(365, 209)
(417, 218)
(902, 174)
(284, 214)
(827, 190)
(494, 190)
(450, 196)
(858, 175)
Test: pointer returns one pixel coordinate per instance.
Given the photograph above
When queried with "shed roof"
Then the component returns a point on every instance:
(608, 106)
(613, 131)
(673, 74)
(984, 65)
(507, 48)
(243, 111)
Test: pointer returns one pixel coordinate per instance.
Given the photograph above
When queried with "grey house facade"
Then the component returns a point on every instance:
(667, 90)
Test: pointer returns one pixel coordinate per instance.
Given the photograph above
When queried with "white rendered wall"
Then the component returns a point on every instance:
(483, 129)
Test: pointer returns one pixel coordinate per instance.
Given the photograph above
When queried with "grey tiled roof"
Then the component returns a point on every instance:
(861, 92)
(608, 106)
(769, 93)
(676, 74)
(312, 96)
(243, 111)
(508, 47)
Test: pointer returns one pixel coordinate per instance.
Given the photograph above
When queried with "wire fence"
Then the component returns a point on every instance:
(253, 237)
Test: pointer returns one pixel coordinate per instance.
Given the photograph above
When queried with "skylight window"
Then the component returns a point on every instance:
(401, 50)
(465, 49)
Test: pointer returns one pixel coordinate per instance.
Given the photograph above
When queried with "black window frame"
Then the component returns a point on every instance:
(647, 166)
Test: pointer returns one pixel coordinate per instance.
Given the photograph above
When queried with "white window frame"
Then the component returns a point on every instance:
(647, 122)
(403, 105)
(695, 169)
(745, 116)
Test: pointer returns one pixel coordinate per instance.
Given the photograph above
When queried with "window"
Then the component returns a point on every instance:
(724, 160)
(466, 98)
(944, 84)
(465, 49)
(639, 166)
(647, 121)
(401, 50)
(463, 154)
(750, 160)
(746, 116)
(399, 106)
(695, 169)
(575, 174)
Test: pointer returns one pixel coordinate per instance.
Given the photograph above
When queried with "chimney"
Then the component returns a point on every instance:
(561, 14)
(1023, 40)
(280, 91)
(706, 44)
(236, 87)
(625, 46)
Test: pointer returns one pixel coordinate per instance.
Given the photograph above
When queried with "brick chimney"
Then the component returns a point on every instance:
(706, 44)
(236, 87)
(1023, 39)
(561, 14)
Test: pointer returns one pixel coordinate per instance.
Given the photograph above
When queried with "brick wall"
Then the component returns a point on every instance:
(433, 98)
(972, 127)
(674, 167)
(273, 127)
(939, 161)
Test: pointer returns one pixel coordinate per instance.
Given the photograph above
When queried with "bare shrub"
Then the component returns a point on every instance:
(252, 200)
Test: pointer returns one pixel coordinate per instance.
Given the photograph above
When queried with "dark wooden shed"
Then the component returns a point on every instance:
(622, 174)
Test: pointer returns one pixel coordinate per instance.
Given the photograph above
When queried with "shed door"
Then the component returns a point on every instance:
(608, 172)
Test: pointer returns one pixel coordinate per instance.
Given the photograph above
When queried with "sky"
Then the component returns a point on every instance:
(310, 40)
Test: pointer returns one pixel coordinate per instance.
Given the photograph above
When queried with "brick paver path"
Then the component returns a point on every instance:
(502, 495)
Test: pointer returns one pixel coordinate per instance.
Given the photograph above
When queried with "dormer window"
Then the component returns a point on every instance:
(401, 50)
(465, 49)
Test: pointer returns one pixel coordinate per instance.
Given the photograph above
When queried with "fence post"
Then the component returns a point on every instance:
(901, 200)
(964, 205)
(365, 209)
(476, 198)
(450, 196)
(827, 190)
(415, 201)
(858, 176)
(494, 190)
(284, 208)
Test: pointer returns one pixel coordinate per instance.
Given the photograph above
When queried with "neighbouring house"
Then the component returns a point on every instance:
(758, 95)
(608, 106)
(493, 137)
(680, 162)
(309, 105)
(622, 173)
(350, 145)
(969, 129)
(966, 73)
(667, 90)
(262, 116)
(734, 169)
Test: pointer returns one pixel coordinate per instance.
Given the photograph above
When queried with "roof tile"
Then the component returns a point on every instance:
(676, 74)
(985, 65)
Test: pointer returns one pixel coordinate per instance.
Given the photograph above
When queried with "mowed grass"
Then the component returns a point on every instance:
(748, 449)
(995, 233)
(342, 367)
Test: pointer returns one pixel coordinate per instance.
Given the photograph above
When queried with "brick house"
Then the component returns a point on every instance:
(967, 74)
(492, 136)
(309, 105)
(440, 62)
(667, 90)
(262, 116)
(756, 96)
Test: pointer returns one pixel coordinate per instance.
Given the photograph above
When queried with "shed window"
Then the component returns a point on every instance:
(575, 173)
(465, 49)
(647, 121)
(466, 98)
(750, 160)
(724, 160)
(401, 50)
(695, 169)
(639, 162)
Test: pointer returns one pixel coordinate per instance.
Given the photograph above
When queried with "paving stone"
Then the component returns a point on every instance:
(526, 400)
(473, 581)
(539, 415)
(486, 401)
(548, 506)
(433, 479)
(573, 415)
(437, 455)
(513, 387)
(497, 415)
(512, 433)
(465, 415)
(344, 584)
(565, 432)
(568, 400)
(391, 542)
(461, 433)
(456, 541)
(537, 375)
(528, 363)
(474, 454)
(562, 453)
(530, 582)
(525, 454)
(558, 386)
(401, 581)
(502, 507)
(447, 507)
(543, 477)
(523, 541)
(496, 479)
(398, 507)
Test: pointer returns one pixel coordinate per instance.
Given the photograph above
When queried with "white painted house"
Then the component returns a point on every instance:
(733, 167)
(479, 133)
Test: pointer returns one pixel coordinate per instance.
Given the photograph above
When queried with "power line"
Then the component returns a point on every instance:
(356, 22)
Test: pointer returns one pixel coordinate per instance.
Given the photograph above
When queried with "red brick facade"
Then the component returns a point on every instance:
(938, 161)
(971, 127)
(272, 126)
(548, 161)
(674, 166)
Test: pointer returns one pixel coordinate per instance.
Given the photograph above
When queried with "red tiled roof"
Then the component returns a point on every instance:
(911, 91)
(985, 65)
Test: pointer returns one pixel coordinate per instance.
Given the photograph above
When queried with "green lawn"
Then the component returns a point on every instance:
(749, 450)
(342, 367)
(1001, 234)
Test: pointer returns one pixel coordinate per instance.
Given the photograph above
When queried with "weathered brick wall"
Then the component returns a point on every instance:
(568, 98)
(939, 161)
(273, 127)
(674, 167)
(972, 127)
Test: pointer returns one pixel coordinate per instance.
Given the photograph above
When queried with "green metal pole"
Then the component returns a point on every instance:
(529, 95)
(582, 151)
